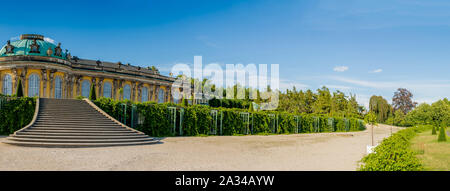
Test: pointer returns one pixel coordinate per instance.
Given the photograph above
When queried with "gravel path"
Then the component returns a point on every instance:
(322, 151)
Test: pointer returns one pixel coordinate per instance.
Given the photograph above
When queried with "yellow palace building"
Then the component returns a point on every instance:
(48, 71)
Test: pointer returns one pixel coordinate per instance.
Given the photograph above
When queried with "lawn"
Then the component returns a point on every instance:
(434, 155)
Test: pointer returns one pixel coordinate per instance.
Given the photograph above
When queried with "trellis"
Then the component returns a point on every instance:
(331, 124)
(214, 122)
(273, 122)
(316, 124)
(134, 116)
(181, 122)
(347, 124)
(123, 115)
(298, 120)
(245, 116)
(172, 115)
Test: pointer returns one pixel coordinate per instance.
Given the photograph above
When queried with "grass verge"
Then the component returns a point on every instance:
(395, 153)
(434, 155)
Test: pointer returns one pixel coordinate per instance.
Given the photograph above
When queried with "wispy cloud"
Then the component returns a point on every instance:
(340, 68)
(288, 84)
(339, 87)
(392, 84)
(376, 71)
(207, 41)
(49, 40)
(15, 38)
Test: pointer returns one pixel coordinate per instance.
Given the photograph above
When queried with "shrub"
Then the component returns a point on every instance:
(442, 136)
(433, 131)
(394, 153)
(15, 113)
(193, 120)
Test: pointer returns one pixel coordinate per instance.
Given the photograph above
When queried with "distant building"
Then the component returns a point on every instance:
(46, 70)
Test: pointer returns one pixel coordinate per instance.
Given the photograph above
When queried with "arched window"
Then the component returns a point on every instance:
(127, 92)
(144, 94)
(33, 85)
(161, 96)
(107, 88)
(7, 85)
(85, 88)
(58, 87)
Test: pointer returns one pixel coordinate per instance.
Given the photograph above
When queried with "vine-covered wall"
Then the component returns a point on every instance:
(173, 120)
(15, 113)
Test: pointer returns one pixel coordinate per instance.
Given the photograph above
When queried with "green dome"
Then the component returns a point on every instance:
(22, 47)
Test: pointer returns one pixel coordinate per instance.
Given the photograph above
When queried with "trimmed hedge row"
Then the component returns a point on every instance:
(15, 113)
(394, 153)
(173, 120)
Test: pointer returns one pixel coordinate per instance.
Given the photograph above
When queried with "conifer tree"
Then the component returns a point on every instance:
(442, 136)
(92, 94)
(19, 89)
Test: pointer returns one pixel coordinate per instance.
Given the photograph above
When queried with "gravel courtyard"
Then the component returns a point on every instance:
(323, 151)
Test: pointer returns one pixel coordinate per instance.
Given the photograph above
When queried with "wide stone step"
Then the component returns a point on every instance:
(84, 113)
(72, 131)
(86, 120)
(80, 124)
(80, 128)
(130, 133)
(75, 122)
(58, 116)
(46, 136)
(78, 145)
(79, 140)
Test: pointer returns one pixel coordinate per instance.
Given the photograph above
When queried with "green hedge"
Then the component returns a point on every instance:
(394, 153)
(15, 113)
(158, 120)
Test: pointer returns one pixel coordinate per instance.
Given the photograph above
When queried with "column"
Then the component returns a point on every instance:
(51, 79)
(139, 92)
(100, 87)
(44, 82)
(78, 85)
(114, 89)
(93, 81)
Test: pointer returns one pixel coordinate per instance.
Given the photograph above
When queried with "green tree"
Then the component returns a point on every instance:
(399, 118)
(433, 130)
(371, 119)
(19, 89)
(323, 103)
(380, 107)
(92, 94)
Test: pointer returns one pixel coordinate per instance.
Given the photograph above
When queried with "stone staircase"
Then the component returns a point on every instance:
(75, 123)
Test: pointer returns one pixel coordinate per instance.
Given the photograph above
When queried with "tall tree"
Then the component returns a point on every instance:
(323, 102)
(19, 89)
(402, 100)
(380, 107)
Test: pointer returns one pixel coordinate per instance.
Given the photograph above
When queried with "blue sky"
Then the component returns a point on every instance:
(360, 47)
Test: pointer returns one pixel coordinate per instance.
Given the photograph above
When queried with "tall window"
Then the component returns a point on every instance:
(7, 85)
(58, 87)
(144, 94)
(85, 88)
(161, 96)
(33, 85)
(107, 88)
(127, 92)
